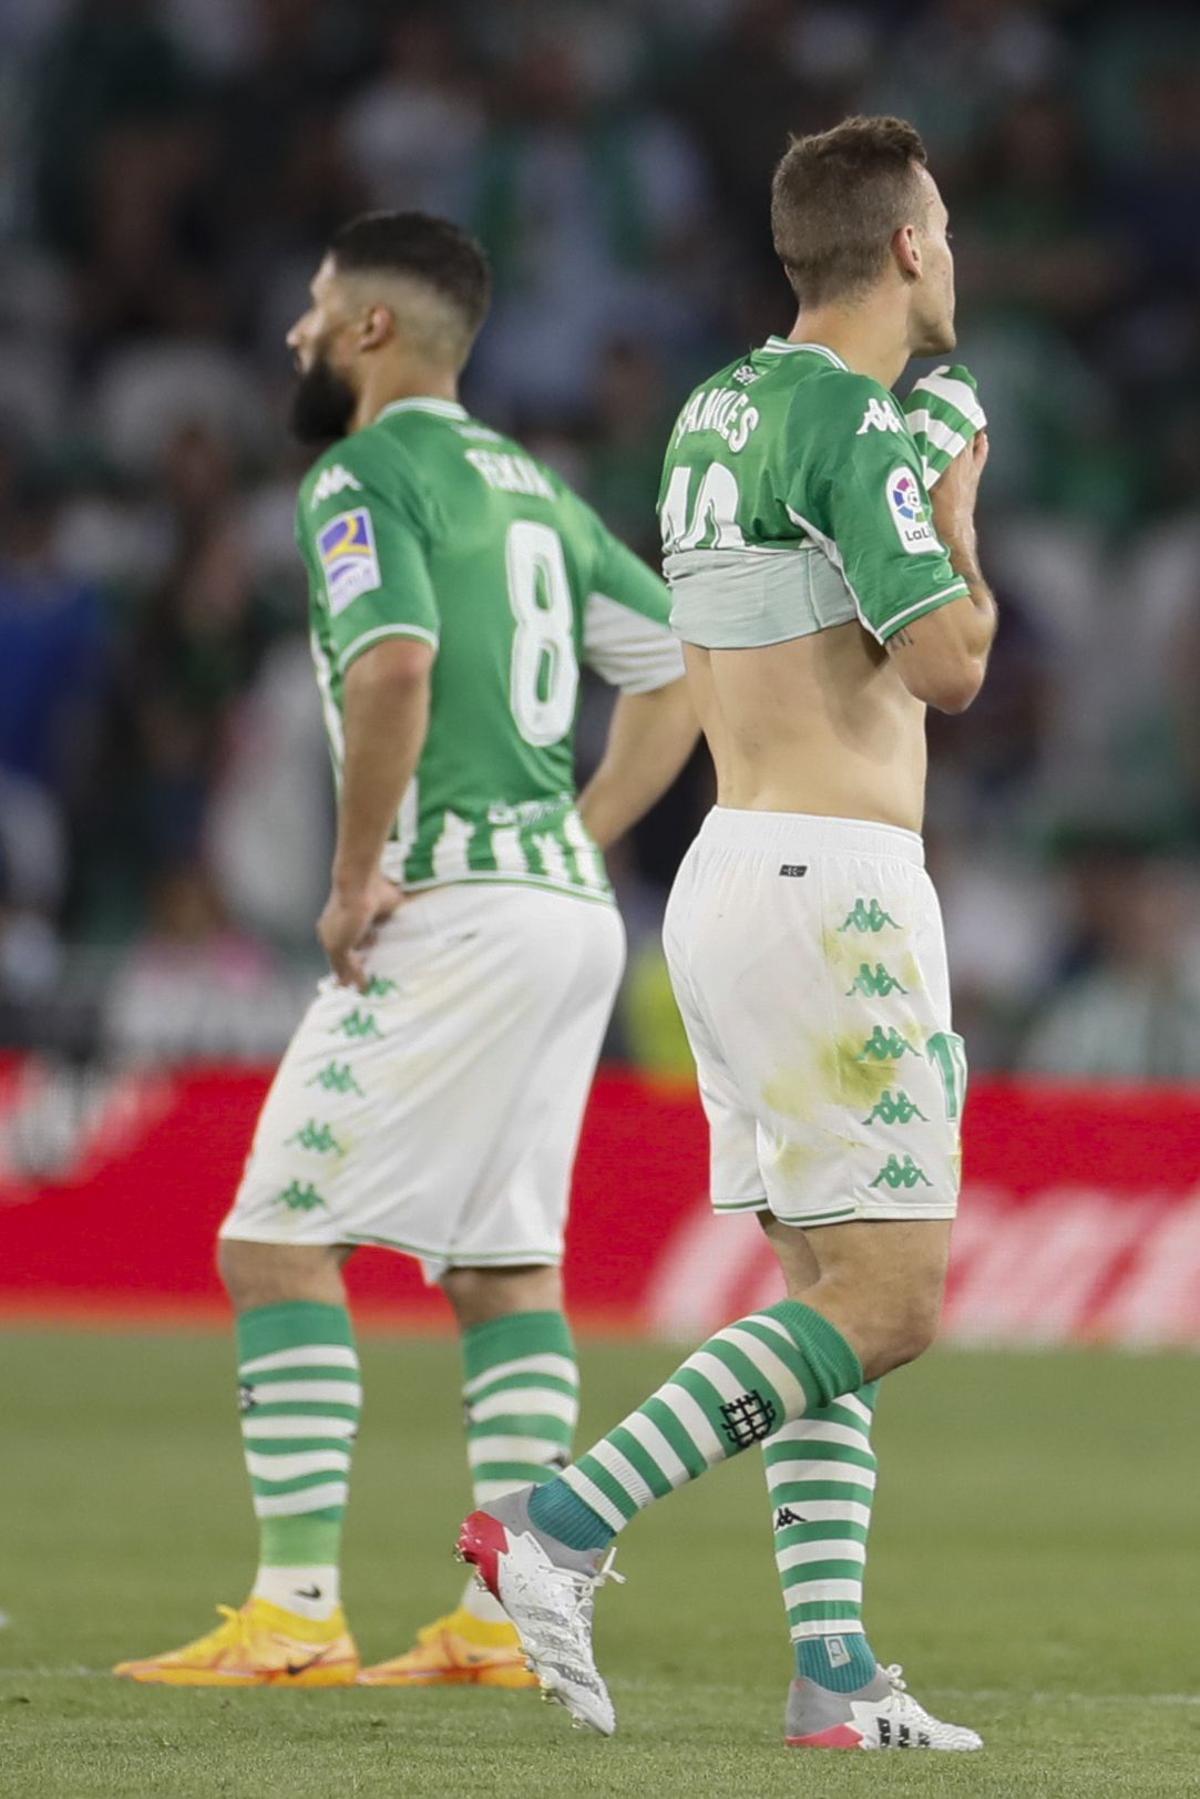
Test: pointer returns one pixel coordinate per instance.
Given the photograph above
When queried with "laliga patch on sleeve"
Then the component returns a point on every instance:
(348, 557)
(910, 513)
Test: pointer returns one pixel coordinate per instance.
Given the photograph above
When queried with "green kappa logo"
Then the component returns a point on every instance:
(895, 1108)
(301, 1198)
(359, 1024)
(896, 1174)
(378, 987)
(336, 1077)
(319, 1138)
(867, 915)
(884, 1046)
(874, 983)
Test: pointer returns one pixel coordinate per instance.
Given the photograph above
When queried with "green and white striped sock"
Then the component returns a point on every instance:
(943, 414)
(521, 1403)
(736, 1389)
(821, 1479)
(300, 1396)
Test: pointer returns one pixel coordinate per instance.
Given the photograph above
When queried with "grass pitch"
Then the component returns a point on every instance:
(1034, 1564)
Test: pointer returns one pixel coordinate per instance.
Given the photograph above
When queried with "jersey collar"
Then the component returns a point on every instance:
(779, 346)
(443, 409)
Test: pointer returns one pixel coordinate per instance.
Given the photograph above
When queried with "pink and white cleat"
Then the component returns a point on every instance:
(881, 1715)
(548, 1591)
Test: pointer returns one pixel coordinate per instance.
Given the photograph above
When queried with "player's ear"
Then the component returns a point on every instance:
(906, 248)
(378, 327)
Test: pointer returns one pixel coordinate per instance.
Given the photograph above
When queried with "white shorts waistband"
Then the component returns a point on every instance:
(801, 834)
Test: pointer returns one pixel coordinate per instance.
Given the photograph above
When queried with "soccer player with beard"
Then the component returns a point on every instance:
(825, 599)
(431, 1099)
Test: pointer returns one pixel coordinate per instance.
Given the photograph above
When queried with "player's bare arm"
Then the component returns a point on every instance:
(386, 718)
(650, 737)
(942, 657)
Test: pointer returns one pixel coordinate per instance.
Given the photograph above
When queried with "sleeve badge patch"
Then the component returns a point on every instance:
(348, 557)
(910, 512)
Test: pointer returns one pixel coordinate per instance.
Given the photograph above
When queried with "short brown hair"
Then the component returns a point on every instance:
(838, 198)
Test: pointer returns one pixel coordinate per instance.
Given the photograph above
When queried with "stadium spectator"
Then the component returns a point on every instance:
(169, 170)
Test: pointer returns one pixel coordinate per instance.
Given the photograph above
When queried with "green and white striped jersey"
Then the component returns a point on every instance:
(430, 525)
(794, 498)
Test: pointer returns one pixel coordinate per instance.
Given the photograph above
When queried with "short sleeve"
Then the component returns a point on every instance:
(861, 474)
(627, 638)
(361, 530)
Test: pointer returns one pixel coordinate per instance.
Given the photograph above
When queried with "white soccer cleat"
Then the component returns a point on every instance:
(881, 1715)
(549, 1593)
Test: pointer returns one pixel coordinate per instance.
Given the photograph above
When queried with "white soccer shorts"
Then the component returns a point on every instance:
(439, 1113)
(809, 964)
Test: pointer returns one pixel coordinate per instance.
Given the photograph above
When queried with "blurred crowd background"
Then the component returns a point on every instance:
(170, 171)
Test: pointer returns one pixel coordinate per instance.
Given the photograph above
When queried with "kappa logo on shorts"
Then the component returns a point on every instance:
(895, 1108)
(864, 917)
(896, 1174)
(793, 868)
(874, 983)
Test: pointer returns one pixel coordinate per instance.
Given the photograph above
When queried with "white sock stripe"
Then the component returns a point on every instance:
(292, 1467)
(826, 1627)
(308, 1499)
(647, 1433)
(790, 1391)
(824, 1592)
(263, 1430)
(773, 1324)
(309, 1392)
(561, 1367)
(525, 1402)
(591, 1496)
(691, 1415)
(836, 1511)
(313, 1355)
(850, 1402)
(538, 1450)
(822, 1549)
(805, 1430)
(624, 1473)
(845, 1474)
(718, 1375)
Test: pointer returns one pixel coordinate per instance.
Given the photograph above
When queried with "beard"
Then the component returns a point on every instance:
(323, 404)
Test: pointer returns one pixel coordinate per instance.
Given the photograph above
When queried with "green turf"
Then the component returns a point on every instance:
(1035, 1565)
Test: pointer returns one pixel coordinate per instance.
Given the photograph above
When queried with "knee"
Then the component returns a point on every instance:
(901, 1330)
(910, 1331)
(480, 1294)
(267, 1274)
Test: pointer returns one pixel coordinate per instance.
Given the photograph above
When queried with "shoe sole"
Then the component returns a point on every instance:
(838, 1736)
(336, 1674)
(516, 1678)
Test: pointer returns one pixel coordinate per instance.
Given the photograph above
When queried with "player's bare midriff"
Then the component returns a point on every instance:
(820, 724)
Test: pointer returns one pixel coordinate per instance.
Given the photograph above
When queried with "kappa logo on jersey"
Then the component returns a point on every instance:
(910, 514)
(346, 547)
(333, 481)
(880, 415)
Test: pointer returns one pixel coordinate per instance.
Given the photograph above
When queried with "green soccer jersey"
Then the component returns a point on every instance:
(431, 526)
(793, 498)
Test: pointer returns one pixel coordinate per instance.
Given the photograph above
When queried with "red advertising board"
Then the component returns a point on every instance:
(1080, 1217)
